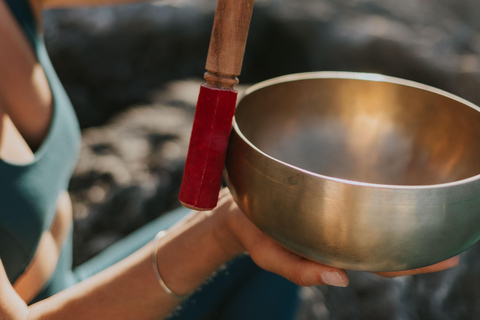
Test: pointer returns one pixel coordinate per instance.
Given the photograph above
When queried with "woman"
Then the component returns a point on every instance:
(39, 143)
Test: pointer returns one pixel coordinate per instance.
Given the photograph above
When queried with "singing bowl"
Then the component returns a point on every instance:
(358, 171)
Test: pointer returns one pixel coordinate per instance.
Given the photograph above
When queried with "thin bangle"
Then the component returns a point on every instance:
(155, 267)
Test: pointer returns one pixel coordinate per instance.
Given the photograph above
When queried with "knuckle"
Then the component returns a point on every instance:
(256, 257)
(260, 261)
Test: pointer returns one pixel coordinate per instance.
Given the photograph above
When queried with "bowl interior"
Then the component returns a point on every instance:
(368, 131)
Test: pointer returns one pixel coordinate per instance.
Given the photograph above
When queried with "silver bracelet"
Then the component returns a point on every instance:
(155, 267)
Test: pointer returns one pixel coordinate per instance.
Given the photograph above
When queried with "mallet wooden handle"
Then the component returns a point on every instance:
(227, 43)
(216, 105)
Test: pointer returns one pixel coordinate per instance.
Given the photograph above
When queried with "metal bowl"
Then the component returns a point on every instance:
(358, 171)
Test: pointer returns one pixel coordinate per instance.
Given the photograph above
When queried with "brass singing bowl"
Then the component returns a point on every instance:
(358, 171)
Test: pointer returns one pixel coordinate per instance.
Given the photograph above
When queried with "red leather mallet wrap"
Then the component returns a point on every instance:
(216, 106)
(203, 173)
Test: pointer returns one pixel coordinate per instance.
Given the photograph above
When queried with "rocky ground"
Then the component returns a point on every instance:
(124, 69)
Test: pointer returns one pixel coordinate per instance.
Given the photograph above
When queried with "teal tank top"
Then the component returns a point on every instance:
(29, 192)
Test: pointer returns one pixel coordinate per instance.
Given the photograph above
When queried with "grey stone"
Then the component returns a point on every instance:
(129, 173)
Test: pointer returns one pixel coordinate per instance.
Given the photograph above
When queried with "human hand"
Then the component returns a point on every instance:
(241, 235)
(270, 256)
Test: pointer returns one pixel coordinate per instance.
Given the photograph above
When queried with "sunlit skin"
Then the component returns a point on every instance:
(191, 250)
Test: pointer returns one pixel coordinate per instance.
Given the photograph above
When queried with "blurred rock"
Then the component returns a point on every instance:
(445, 295)
(129, 172)
(112, 57)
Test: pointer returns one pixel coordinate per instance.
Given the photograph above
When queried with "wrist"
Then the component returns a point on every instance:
(192, 250)
(225, 230)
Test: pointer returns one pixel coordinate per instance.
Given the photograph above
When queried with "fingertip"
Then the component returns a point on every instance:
(334, 278)
(446, 264)
(345, 277)
(452, 262)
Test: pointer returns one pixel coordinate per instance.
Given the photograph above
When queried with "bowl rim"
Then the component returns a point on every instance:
(375, 77)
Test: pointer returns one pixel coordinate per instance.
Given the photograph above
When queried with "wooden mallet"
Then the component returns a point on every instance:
(216, 104)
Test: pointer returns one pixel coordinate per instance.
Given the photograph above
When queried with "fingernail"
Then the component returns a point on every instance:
(333, 278)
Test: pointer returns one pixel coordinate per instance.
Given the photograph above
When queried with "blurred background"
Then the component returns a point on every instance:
(133, 74)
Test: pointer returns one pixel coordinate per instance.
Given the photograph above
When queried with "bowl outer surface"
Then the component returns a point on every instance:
(348, 224)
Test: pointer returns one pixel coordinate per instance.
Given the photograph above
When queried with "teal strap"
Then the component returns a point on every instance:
(24, 15)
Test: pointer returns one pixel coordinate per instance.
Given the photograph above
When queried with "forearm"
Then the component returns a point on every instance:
(187, 256)
(189, 253)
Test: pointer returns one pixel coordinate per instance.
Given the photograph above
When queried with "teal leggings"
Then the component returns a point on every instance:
(240, 291)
